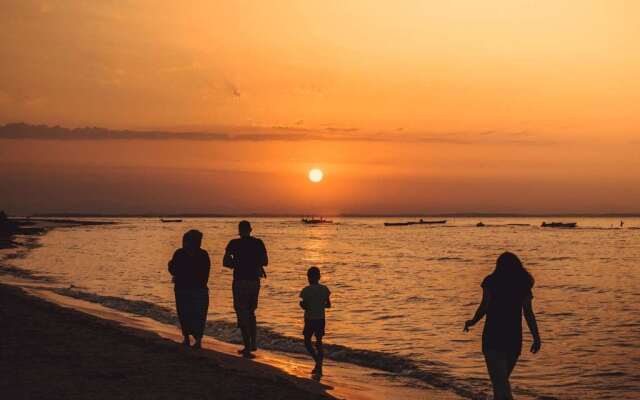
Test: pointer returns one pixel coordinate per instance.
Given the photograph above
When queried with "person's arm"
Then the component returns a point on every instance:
(481, 311)
(265, 257)
(228, 260)
(172, 264)
(327, 304)
(265, 260)
(527, 308)
(207, 268)
(302, 303)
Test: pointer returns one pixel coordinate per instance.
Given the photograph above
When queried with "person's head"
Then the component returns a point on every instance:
(313, 275)
(192, 239)
(244, 228)
(510, 268)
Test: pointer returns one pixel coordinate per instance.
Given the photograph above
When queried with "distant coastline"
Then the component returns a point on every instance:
(346, 215)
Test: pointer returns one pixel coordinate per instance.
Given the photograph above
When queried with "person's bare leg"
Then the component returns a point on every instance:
(309, 346)
(497, 368)
(246, 338)
(253, 333)
(511, 362)
(319, 356)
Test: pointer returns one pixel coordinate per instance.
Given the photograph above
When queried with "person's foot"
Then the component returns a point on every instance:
(186, 342)
(317, 371)
(248, 354)
(242, 350)
(254, 347)
(197, 345)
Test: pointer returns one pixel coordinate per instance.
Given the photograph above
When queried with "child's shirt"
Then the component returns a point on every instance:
(315, 298)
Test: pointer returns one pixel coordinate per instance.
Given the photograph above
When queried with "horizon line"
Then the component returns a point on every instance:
(334, 215)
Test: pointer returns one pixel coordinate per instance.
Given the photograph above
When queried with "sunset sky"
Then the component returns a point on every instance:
(407, 106)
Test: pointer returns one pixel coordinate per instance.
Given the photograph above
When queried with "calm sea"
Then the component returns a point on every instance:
(400, 294)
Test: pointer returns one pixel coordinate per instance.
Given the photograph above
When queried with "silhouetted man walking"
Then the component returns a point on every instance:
(247, 256)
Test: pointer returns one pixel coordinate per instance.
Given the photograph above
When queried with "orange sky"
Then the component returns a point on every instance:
(515, 106)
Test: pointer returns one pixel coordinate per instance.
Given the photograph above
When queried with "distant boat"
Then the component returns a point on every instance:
(399, 223)
(443, 221)
(314, 221)
(170, 220)
(559, 224)
(421, 222)
(480, 224)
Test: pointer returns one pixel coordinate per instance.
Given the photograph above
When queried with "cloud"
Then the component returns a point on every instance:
(22, 131)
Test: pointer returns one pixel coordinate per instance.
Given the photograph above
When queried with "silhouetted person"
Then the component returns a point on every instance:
(315, 298)
(506, 294)
(247, 256)
(190, 268)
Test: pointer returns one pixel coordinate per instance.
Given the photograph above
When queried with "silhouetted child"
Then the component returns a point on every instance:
(315, 298)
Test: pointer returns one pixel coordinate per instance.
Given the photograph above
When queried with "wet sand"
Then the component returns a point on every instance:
(52, 352)
(72, 323)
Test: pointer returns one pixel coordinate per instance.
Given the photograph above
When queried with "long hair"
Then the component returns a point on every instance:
(509, 269)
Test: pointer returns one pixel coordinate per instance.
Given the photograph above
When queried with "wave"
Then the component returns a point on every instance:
(429, 373)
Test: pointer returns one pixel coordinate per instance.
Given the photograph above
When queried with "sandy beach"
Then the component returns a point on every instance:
(57, 353)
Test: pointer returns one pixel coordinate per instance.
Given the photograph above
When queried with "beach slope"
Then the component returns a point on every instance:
(51, 352)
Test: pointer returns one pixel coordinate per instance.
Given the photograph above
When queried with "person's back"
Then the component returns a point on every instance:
(503, 326)
(315, 298)
(190, 268)
(249, 256)
(506, 295)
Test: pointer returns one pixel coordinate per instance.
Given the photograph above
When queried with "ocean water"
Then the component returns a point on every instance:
(400, 294)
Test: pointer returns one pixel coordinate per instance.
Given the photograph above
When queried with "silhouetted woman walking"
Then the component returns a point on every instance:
(506, 294)
(190, 267)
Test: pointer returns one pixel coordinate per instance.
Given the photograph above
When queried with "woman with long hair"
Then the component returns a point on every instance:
(190, 268)
(506, 296)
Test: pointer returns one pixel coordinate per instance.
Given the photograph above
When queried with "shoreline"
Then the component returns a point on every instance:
(40, 339)
(343, 380)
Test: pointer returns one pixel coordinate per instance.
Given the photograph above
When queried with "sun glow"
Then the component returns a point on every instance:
(316, 175)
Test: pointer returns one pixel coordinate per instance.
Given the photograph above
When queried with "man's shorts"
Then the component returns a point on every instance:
(314, 327)
(245, 296)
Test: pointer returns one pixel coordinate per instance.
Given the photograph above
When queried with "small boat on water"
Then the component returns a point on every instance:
(559, 224)
(315, 221)
(170, 220)
(480, 224)
(421, 222)
(443, 221)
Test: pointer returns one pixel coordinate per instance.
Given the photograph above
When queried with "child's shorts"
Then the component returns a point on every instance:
(314, 327)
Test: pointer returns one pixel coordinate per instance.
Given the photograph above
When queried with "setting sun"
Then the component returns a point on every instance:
(316, 175)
